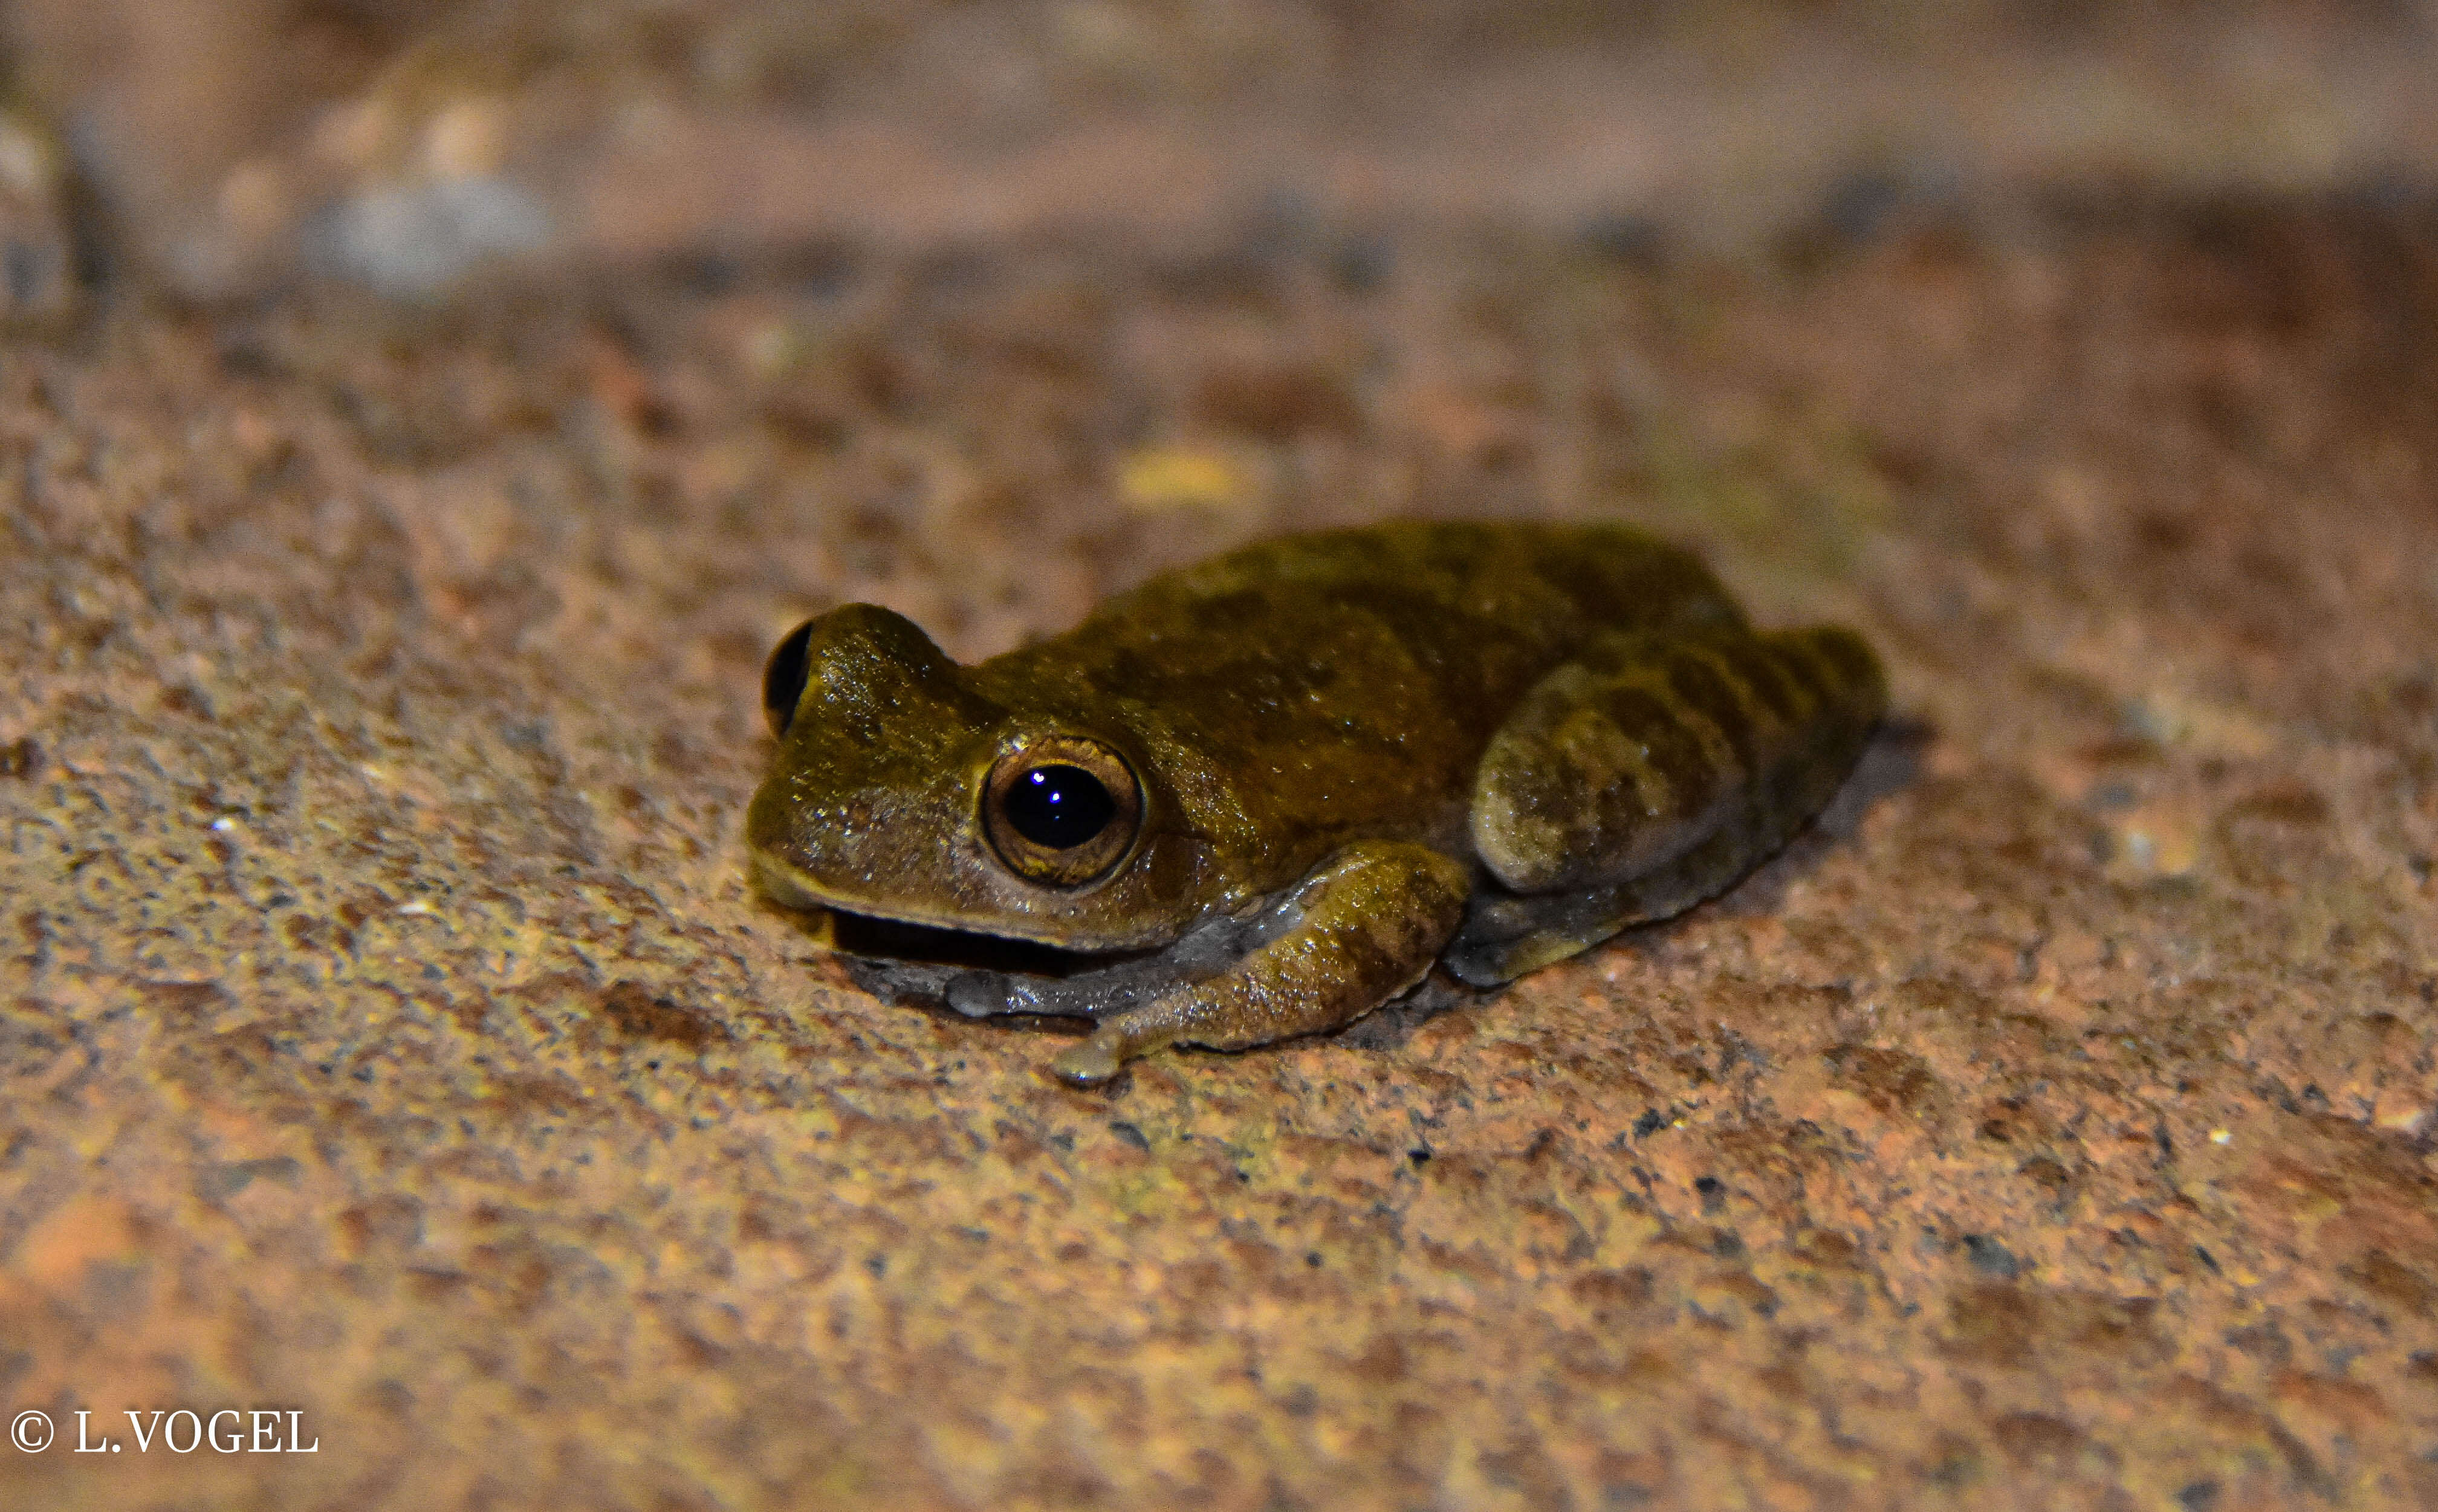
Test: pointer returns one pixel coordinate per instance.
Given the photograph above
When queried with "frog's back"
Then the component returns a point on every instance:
(1525, 578)
(1346, 682)
(1481, 608)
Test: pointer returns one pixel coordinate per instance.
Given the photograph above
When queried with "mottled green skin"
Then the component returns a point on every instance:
(1343, 739)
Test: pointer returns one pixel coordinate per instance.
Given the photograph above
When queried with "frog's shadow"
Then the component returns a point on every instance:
(909, 966)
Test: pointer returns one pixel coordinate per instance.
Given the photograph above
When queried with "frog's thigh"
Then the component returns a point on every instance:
(1651, 774)
(1363, 928)
(1615, 763)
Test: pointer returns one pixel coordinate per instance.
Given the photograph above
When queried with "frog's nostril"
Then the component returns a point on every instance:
(1059, 806)
(783, 679)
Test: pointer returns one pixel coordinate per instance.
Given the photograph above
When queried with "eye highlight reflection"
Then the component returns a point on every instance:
(1059, 806)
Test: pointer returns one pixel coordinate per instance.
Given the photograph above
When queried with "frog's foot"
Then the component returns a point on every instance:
(1356, 933)
(1505, 937)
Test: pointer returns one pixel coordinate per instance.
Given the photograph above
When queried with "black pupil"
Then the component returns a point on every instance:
(783, 680)
(1059, 806)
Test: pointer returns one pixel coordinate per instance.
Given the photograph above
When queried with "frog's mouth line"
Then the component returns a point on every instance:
(918, 941)
(870, 936)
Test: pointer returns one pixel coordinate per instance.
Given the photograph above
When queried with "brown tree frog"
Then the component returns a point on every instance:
(1272, 789)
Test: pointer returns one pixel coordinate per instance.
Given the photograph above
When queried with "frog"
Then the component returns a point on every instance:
(1261, 796)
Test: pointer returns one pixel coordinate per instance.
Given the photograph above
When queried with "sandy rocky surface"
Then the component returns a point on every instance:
(388, 1034)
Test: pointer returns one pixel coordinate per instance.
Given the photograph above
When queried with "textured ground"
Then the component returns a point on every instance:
(388, 1034)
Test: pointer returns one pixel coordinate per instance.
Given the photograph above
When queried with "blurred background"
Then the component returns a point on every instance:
(225, 147)
(983, 309)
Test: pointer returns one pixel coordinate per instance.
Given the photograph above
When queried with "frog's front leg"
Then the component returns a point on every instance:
(1208, 950)
(1356, 933)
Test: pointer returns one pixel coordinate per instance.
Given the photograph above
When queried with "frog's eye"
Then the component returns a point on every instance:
(1062, 810)
(783, 679)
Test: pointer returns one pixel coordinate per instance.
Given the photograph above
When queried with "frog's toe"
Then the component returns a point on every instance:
(1480, 965)
(979, 994)
(1097, 1060)
(1493, 963)
(1090, 1064)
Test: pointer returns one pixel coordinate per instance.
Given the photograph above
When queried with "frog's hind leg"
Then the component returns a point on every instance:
(1506, 935)
(1649, 774)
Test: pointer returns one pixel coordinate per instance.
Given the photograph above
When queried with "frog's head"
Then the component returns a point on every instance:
(901, 791)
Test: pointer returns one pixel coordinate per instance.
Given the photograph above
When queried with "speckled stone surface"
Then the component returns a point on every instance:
(388, 1034)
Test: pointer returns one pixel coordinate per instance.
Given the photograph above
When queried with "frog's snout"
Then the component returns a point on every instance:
(779, 883)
